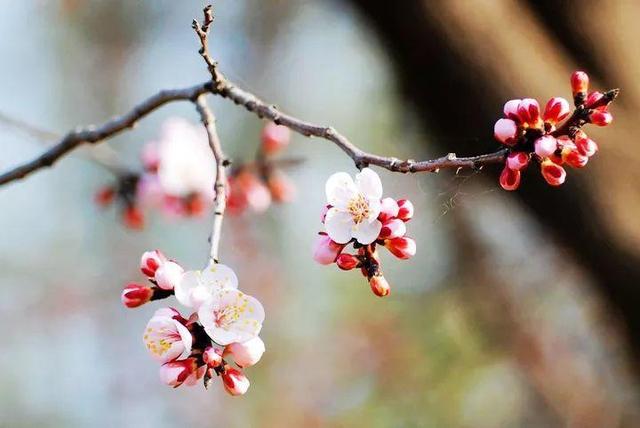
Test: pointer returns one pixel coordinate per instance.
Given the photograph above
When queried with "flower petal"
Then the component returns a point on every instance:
(219, 276)
(338, 225)
(369, 184)
(340, 189)
(366, 232)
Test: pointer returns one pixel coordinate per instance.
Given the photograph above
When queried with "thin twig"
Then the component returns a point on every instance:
(220, 185)
(93, 135)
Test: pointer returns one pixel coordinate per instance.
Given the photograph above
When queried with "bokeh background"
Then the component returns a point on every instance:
(519, 310)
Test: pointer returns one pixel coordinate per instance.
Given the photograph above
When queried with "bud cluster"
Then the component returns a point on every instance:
(552, 138)
(357, 215)
(219, 339)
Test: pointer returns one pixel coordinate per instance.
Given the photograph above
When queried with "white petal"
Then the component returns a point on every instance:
(247, 316)
(340, 188)
(185, 287)
(219, 276)
(338, 225)
(187, 339)
(369, 184)
(366, 232)
(375, 205)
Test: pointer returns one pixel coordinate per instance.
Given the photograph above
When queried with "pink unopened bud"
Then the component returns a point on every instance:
(573, 157)
(379, 285)
(212, 356)
(545, 146)
(517, 160)
(325, 250)
(388, 209)
(234, 381)
(585, 145)
(600, 118)
(393, 228)
(552, 173)
(557, 109)
(135, 295)
(133, 217)
(405, 213)
(579, 82)
(281, 187)
(151, 261)
(511, 110)
(175, 373)
(505, 131)
(105, 196)
(347, 261)
(529, 111)
(274, 137)
(593, 98)
(402, 248)
(168, 275)
(509, 179)
(247, 353)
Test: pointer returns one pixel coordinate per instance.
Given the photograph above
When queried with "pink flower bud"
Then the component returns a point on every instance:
(325, 250)
(545, 146)
(402, 248)
(274, 138)
(509, 179)
(175, 373)
(379, 285)
(557, 109)
(529, 111)
(212, 356)
(517, 160)
(104, 196)
(585, 145)
(234, 381)
(579, 82)
(135, 295)
(247, 353)
(600, 118)
(552, 173)
(405, 213)
(593, 98)
(393, 228)
(133, 217)
(511, 110)
(347, 261)
(281, 187)
(572, 157)
(151, 261)
(388, 209)
(505, 131)
(168, 275)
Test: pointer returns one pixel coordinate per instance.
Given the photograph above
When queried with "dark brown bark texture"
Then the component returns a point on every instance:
(450, 88)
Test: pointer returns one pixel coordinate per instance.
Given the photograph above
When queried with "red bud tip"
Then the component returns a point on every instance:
(379, 285)
(509, 179)
(347, 261)
(579, 82)
(405, 212)
(552, 173)
(135, 295)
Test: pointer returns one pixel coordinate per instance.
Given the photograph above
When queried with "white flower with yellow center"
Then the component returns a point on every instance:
(355, 207)
(167, 339)
(231, 316)
(198, 286)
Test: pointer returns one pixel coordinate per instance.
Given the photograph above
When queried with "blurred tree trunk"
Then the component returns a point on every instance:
(458, 62)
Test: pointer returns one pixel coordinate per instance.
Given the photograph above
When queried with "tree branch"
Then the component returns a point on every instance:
(220, 185)
(227, 89)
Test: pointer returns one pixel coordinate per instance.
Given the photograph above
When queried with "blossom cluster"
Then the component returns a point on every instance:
(553, 138)
(179, 172)
(223, 326)
(357, 215)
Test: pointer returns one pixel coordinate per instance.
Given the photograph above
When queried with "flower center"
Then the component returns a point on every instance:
(227, 315)
(358, 207)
